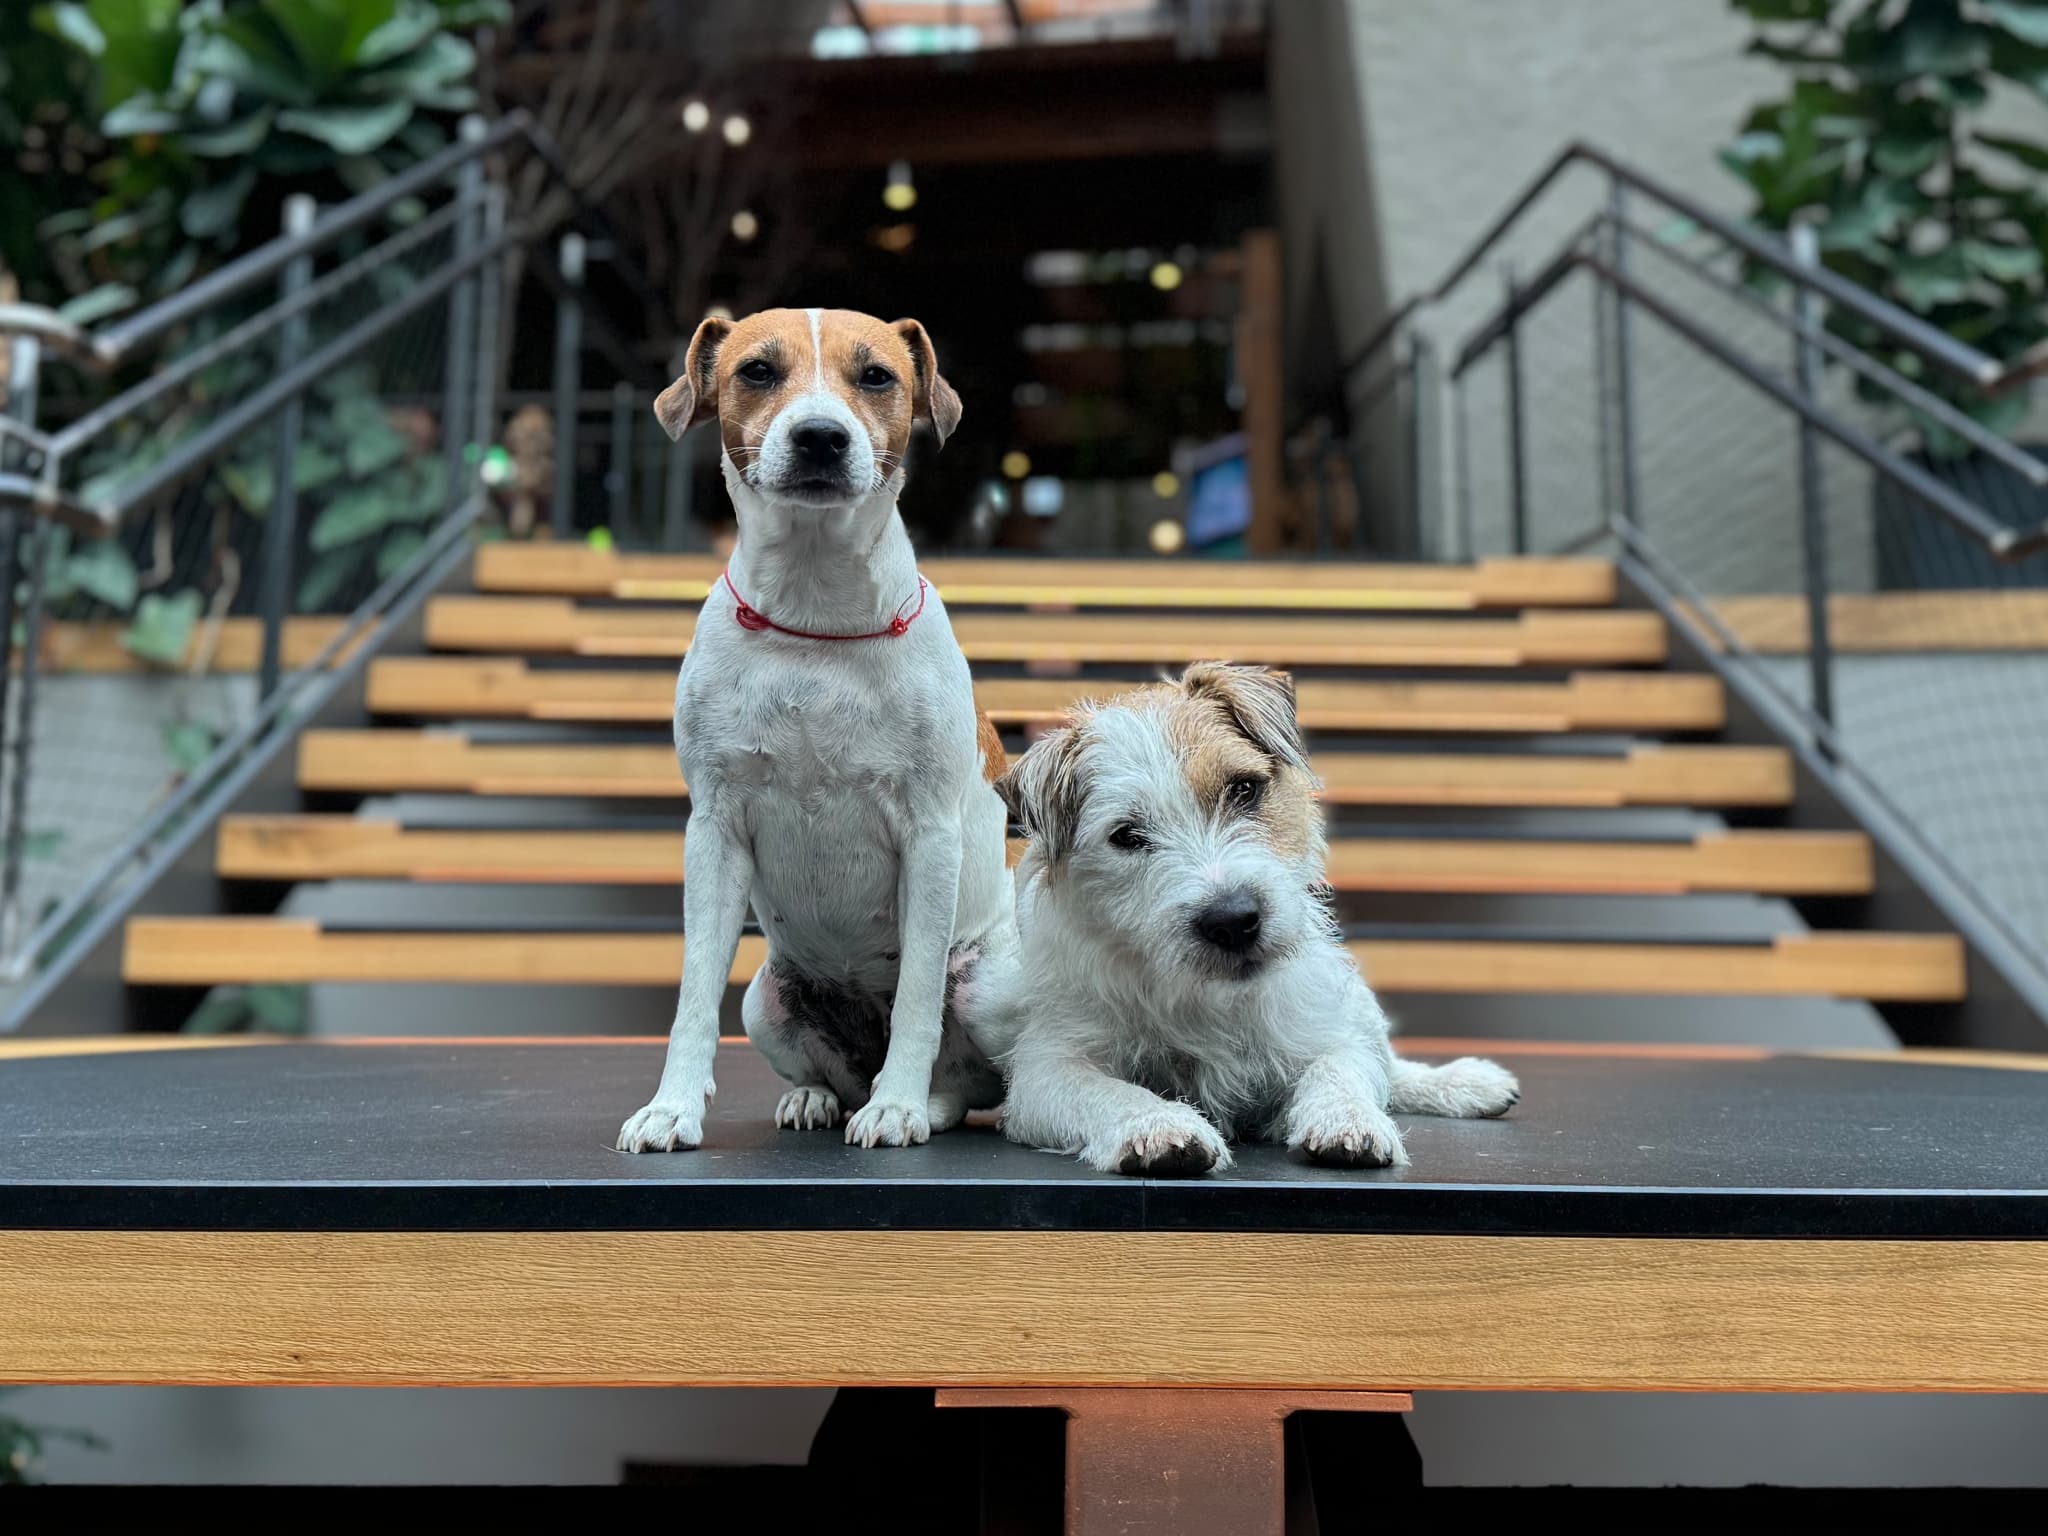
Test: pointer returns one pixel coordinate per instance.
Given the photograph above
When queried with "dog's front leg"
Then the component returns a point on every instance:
(897, 1113)
(1061, 1101)
(718, 869)
(1337, 1111)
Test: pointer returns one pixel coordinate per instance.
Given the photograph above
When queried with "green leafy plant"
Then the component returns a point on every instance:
(22, 1445)
(219, 108)
(1881, 145)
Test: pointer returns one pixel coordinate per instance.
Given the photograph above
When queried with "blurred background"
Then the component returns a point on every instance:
(1196, 269)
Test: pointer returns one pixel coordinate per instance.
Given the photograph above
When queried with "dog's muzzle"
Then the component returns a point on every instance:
(1232, 925)
(820, 458)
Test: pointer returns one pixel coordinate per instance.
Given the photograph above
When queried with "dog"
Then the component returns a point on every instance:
(826, 728)
(1182, 981)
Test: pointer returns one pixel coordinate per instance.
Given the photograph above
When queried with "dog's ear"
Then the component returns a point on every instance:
(694, 396)
(1043, 791)
(1259, 700)
(931, 396)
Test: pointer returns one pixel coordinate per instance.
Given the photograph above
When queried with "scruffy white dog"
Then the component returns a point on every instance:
(826, 727)
(1182, 982)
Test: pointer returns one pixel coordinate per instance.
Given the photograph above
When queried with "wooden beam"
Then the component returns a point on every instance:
(577, 570)
(1540, 637)
(96, 648)
(1891, 967)
(350, 848)
(390, 762)
(507, 688)
(771, 1309)
(1893, 623)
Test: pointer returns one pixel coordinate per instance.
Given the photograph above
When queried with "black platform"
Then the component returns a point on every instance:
(438, 1137)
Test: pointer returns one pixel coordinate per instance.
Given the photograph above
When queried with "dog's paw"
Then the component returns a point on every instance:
(887, 1123)
(1476, 1089)
(808, 1109)
(1356, 1137)
(1175, 1142)
(666, 1125)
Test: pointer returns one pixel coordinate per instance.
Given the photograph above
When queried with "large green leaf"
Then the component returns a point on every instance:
(162, 630)
(2026, 20)
(280, 1008)
(396, 550)
(250, 51)
(2033, 156)
(2003, 263)
(215, 210)
(1925, 281)
(411, 23)
(253, 485)
(1871, 221)
(327, 578)
(372, 446)
(140, 51)
(140, 113)
(355, 516)
(319, 33)
(348, 130)
(103, 570)
(74, 24)
(233, 139)
(97, 304)
(187, 744)
(1906, 155)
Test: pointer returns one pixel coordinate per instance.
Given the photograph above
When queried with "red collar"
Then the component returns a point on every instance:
(750, 617)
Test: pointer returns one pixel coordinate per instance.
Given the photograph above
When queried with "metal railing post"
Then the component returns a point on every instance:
(1624, 358)
(1518, 477)
(1461, 453)
(618, 480)
(568, 382)
(281, 526)
(1820, 655)
(17, 711)
(1420, 379)
(457, 380)
(483, 421)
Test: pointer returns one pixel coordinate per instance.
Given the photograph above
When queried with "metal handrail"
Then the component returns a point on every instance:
(1936, 346)
(103, 350)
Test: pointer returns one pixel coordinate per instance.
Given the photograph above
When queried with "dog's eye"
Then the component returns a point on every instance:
(1244, 794)
(1129, 838)
(759, 371)
(876, 377)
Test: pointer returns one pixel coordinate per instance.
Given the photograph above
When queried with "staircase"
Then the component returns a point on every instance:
(1570, 798)
(1526, 803)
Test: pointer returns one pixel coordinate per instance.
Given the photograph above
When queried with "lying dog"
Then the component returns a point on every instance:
(1182, 982)
(826, 728)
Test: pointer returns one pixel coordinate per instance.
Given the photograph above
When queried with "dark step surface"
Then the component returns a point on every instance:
(450, 1135)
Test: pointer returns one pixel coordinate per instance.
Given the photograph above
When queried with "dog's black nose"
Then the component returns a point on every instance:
(819, 442)
(1230, 922)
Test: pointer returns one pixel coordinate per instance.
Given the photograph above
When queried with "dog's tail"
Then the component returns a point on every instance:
(1469, 1088)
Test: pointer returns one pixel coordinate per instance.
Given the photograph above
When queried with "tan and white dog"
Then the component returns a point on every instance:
(826, 727)
(1185, 984)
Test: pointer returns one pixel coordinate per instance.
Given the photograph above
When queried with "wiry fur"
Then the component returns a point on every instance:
(1139, 1044)
(834, 785)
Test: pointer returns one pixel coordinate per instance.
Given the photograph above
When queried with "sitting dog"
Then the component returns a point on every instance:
(1182, 981)
(827, 731)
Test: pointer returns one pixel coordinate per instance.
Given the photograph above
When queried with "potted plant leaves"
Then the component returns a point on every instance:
(1886, 144)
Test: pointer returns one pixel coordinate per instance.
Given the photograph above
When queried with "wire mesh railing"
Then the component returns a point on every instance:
(1844, 537)
(275, 458)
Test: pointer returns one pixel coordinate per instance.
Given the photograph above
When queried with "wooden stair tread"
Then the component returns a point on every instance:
(505, 687)
(199, 951)
(1539, 637)
(580, 571)
(394, 761)
(351, 848)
